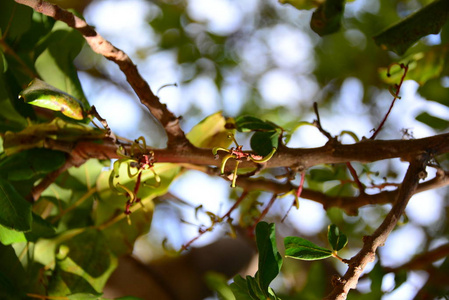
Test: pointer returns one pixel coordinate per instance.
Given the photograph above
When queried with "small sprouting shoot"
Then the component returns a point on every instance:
(238, 154)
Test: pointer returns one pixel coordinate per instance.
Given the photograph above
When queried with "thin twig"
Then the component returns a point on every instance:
(396, 96)
(317, 123)
(357, 264)
(101, 46)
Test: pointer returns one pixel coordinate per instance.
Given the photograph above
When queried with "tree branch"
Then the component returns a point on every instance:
(101, 46)
(357, 264)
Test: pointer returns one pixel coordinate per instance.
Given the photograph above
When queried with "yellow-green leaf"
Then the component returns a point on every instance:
(212, 132)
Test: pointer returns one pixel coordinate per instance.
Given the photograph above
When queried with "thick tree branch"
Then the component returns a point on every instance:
(101, 46)
(357, 264)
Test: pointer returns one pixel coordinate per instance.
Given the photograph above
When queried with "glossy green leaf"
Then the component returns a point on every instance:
(15, 211)
(336, 239)
(327, 17)
(41, 94)
(263, 142)
(31, 163)
(212, 132)
(270, 260)
(402, 35)
(433, 121)
(299, 248)
(422, 66)
(55, 64)
(301, 4)
(250, 123)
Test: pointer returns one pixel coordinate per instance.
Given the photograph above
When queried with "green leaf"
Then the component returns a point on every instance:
(326, 18)
(41, 94)
(218, 282)
(433, 90)
(3, 62)
(9, 236)
(270, 260)
(433, 121)
(336, 239)
(299, 248)
(15, 211)
(212, 132)
(12, 275)
(249, 123)
(401, 36)
(376, 275)
(84, 296)
(110, 209)
(40, 229)
(34, 136)
(55, 64)
(83, 264)
(400, 277)
(301, 4)
(31, 164)
(14, 19)
(241, 289)
(422, 66)
(263, 142)
(10, 119)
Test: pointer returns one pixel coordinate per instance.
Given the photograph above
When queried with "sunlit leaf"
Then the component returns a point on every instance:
(55, 64)
(326, 18)
(211, 132)
(9, 236)
(15, 211)
(300, 248)
(41, 94)
(422, 66)
(402, 35)
(336, 239)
